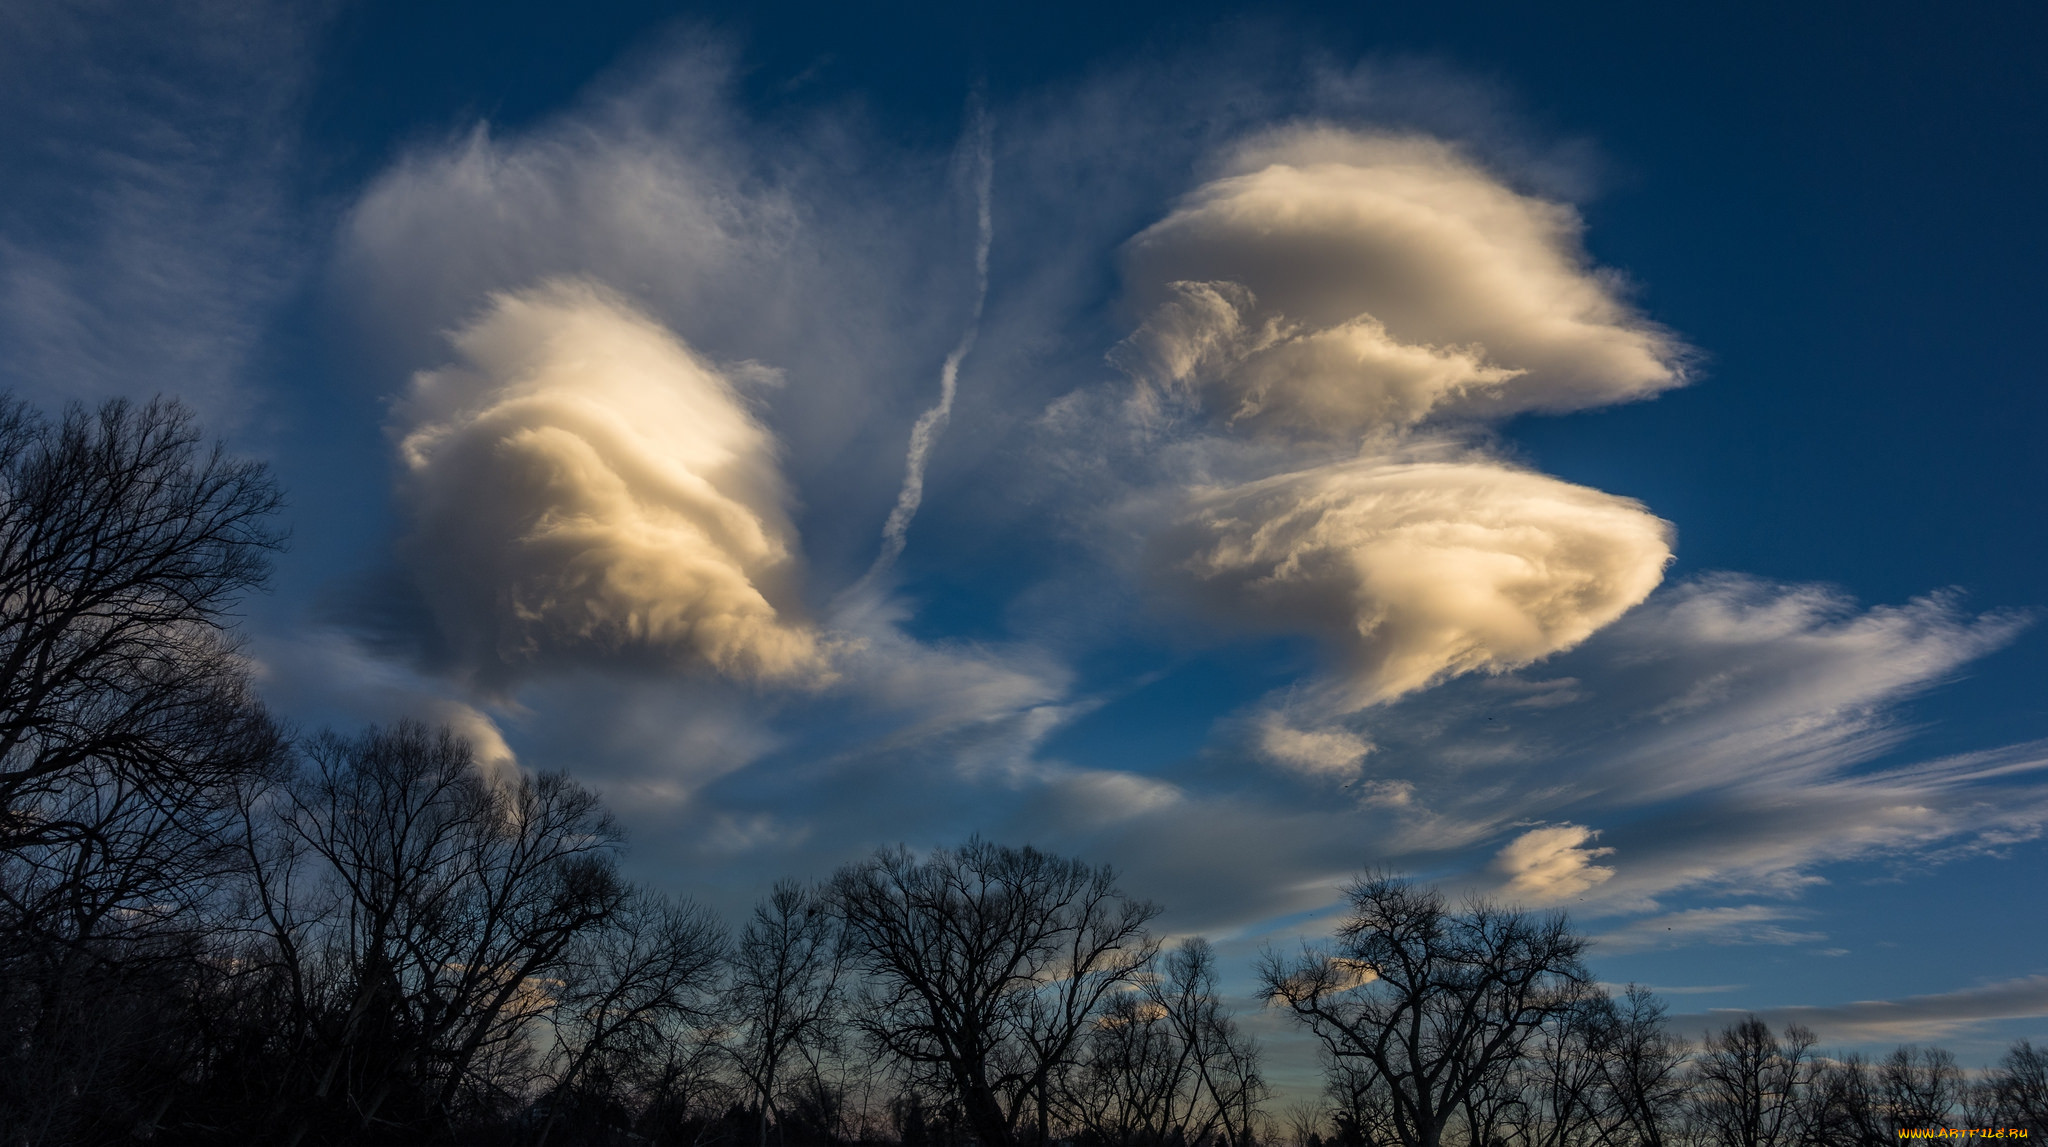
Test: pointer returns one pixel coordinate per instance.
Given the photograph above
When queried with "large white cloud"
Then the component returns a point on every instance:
(1333, 283)
(584, 485)
(1418, 570)
(1380, 293)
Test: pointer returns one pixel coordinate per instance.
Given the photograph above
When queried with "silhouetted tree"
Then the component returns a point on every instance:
(1751, 1089)
(641, 980)
(1920, 1087)
(1435, 1003)
(126, 727)
(2018, 1089)
(784, 993)
(987, 965)
(453, 901)
(1842, 1105)
(1640, 1064)
(123, 546)
(1166, 1063)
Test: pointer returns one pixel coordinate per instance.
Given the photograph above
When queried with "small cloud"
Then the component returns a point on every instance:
(732, 834)
(1683, 990)
(1326, 752)
(1552, 863)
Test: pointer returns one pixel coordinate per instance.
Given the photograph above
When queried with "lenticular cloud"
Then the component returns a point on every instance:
(1374, 294)
(1418, 571)
(584, 486)
(1353, 283)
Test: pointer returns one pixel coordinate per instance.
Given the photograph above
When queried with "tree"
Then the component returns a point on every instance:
(1435, 1004)
(127, 726)
(1640, 1069)
(1226, 1086)
(1553, 1095)
(628, 988)
(784, 992)
(1167, 1063)
(1751, 1090)
(2018, 1088)
(123, 548)
(1920, 1087)
(986, 965)
(453, 901)
(1842, 1105)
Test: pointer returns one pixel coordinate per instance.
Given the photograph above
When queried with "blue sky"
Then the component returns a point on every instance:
(1578, 456)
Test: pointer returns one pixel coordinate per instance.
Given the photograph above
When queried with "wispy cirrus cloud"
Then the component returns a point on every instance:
(1927, 1017)
(1743, 924)
(152, 226)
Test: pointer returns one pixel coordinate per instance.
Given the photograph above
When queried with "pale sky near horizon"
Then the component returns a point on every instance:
(1587, 460)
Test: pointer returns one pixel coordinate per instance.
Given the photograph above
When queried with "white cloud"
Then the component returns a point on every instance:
(1330, 752)
(1417, 571)
(1722, 734)
(1552, 863)
(585, 486)
(1744, 679)
(1206, 348)
(1386, 290)
(1335, 282)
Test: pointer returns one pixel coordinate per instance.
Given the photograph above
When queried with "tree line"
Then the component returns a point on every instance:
(217, 931)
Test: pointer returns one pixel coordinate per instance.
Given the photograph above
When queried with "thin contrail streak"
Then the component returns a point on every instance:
(926, 431)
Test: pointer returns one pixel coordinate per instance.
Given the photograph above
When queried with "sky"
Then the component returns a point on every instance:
(1577, 456)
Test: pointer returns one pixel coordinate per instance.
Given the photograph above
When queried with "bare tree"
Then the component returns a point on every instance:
(1641, 1072)
(1433, 1002)
(1921, 1087)
(1227, 1086)
(784, 993)
(1361, 1108)
(1749, 1089)
(1305, 1120)
(2017, 1089)
(1554, 1096)
(1842, 1105)
(453, 900)
(1167, 1063)
(644, 978)
(123, 547)
(1126, 1087)
(126, 725)
(987, 965)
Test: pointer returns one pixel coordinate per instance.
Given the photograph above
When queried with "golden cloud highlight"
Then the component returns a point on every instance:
(1339, 283)
(1418, 571)
(584, 486)
(1552, 863)
(1376, 293)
